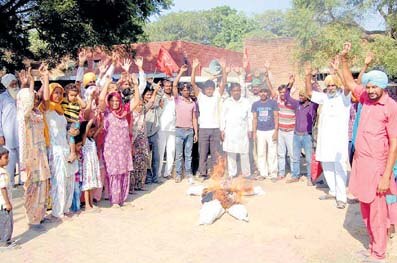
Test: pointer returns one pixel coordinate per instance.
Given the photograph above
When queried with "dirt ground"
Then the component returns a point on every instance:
(287, 224)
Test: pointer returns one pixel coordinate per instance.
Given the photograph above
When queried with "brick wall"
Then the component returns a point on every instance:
(279, 52)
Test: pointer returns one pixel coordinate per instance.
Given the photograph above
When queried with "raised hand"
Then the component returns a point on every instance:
(138, 62)
(291, 79)
(23, 78)
(134, 80)
(115, 56)
(267, 66)
(184, 68)
(43, 70)
(222, 62)
(82, 57)
(346, 49)
(369, 58)
(308, 69)
(157, 86)
(195, 63)
(126, 65)
(103, 67)
(335, 63)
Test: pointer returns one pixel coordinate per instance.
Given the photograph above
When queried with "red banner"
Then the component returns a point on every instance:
(165, 63)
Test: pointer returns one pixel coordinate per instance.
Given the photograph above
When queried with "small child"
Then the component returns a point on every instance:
(6, 216)
(77, 168)
(91, 169)
(72, 105)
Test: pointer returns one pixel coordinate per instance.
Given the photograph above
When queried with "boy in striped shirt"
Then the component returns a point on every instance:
(72, 105)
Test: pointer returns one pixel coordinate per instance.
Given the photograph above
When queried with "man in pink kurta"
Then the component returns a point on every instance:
(376, 147)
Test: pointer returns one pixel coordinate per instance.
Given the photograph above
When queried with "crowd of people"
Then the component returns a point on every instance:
(103, 138)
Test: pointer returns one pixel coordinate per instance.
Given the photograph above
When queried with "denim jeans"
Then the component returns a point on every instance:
(76, 197)
(305, 142)
(152, 175)
(285, 142)
(183, 146)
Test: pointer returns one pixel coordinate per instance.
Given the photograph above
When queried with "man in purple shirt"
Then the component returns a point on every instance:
(305, 115)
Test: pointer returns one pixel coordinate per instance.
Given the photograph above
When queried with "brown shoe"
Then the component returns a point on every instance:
(292, 180)
(178, 180)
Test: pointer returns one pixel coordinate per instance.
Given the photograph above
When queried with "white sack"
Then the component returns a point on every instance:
(239, 212)
(210, 211)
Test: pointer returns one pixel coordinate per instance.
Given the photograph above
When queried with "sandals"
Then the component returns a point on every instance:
(340, 205)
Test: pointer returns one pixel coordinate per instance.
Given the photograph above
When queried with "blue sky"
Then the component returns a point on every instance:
(253, 6)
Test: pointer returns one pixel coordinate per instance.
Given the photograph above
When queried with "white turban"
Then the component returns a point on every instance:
(7, 79)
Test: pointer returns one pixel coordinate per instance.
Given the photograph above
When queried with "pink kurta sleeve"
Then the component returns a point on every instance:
(391, 126)
(359, 93)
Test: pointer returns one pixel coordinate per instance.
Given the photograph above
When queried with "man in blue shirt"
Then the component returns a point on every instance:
(265, 131)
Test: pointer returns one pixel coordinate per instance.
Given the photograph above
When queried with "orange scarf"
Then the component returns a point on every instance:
(52, 105)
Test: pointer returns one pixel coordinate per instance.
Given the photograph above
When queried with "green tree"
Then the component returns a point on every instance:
(62, 26)
(321, 27)
(221, 26)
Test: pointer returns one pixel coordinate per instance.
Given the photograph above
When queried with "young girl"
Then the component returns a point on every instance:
(91, 172)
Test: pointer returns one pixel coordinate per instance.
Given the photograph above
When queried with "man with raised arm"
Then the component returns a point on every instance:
(167, 130)
(186, 128)
(333, 128)
(208, 102)
(375, 154)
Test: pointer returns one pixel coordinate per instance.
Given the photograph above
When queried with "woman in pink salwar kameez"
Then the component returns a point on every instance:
(117, 144)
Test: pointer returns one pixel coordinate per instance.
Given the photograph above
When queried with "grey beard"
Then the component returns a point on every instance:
(13, 92)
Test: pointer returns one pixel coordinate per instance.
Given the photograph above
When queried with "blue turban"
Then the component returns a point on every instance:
(375, 77)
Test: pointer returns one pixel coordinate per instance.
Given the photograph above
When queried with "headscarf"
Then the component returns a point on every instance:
(88, 77)
(121, 112)
(375, 77)
(7, 79)
(54, 106)
(333, 80)
(25, 104)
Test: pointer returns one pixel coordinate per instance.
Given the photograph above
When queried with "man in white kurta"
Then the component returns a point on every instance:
(235, 129)
(332, 141)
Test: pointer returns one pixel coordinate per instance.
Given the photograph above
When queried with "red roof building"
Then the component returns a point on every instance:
(181, 51)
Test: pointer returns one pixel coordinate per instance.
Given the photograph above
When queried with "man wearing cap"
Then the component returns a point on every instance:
(208, 102)
(8, 122)
(333, 139)
(375, 154)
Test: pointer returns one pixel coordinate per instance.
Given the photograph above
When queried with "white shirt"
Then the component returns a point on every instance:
(5, 183)
(236, 122)
(253, 98)
(333, 127)
(168, 117)
(209, 110)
